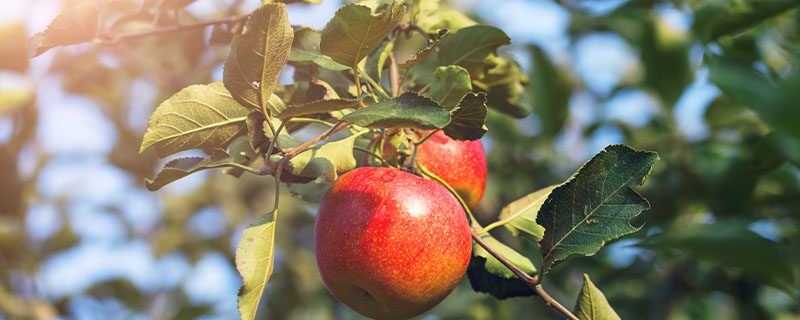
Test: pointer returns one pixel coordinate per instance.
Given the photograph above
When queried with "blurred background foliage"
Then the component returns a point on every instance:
(711, 85)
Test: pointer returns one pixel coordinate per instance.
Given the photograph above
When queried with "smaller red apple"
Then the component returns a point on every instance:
(462, 164)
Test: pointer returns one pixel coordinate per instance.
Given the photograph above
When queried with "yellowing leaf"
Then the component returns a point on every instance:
(197, 117)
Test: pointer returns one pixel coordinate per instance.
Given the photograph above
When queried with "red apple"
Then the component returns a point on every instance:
(390, 244)
(462, 164)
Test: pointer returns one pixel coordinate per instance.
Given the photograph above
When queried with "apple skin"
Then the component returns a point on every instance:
(462, 164)
(389, 244)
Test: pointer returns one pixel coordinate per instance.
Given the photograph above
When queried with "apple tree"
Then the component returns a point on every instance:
(373, 150)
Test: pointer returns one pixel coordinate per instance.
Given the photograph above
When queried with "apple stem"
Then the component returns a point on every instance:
(532, 282)
(374, 155)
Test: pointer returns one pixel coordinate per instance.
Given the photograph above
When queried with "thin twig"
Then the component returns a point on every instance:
(175, 28)
(394, 76)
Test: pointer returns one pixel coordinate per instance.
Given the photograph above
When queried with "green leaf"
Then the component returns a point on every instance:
(75, 25)
(519, 217)
(311, 192)
(383, 57)
(592, 304)
(430, 48)
(728, 244)
(487, 274)
(408, 110)
(471, 44)
(316, 106)
(181, 167)
(504, 85)
(467, 121)
(549, 92)
(596, 205)
(354, 32)
(305, 49)
(254, 261)
(329, 160)
(721, 18)
(323, 61)
(14, 47)
(197, 117)
(449, 85)
(432, 17)
(257, 55)
(497, 286)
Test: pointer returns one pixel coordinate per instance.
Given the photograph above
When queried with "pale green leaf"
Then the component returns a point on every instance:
(258, 54)
(408, 110)
(329, 160)
(467, 120)
(181, 167)
(323, 61)
(311, 192)
(354, 32)
(592, 303)
(254, 261)
(449, 85)
(383, 57)
(424, 53)
(471, 44)
(519, 217)
(596, 205)
(197, 117)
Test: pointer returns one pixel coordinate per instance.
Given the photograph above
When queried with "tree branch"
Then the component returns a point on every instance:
(530, 281)
(176, 28)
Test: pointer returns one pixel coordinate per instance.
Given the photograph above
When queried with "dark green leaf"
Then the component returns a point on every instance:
(471, 44)
(408, 110)
(721, 18)
(13, 48)
(254, 261)
(257, 55)
(729, 244)
(354, 32)
(519, 217)
(75, 25)
(504, 85)
(548, 93)
(197, 117)
(497, 286)
(592, 303)
(487, 274)
(449, 85)
(467, 121)
(596, 205)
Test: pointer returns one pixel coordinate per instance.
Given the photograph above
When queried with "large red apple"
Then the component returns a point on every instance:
(390, 244)
(462, 164)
